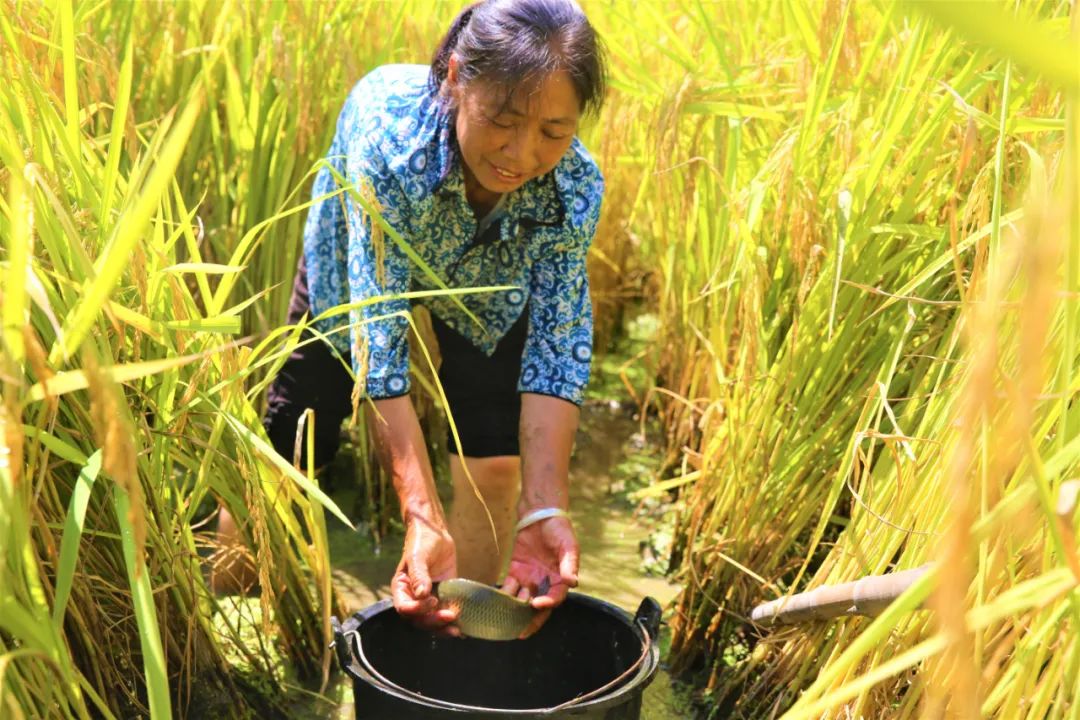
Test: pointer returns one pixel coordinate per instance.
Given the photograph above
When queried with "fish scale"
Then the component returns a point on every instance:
(483, 611)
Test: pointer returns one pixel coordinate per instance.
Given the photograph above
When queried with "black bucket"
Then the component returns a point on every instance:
(589, 660)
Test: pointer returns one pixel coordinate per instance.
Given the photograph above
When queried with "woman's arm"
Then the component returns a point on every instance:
(548, 426)
(544, 563)
(402, 453)
(554, 373)
(428, 553)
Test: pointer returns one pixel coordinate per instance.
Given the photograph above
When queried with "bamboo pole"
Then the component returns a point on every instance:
(870, 595)
(865, 596)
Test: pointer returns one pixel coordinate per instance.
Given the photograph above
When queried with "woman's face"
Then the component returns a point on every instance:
(506, 144)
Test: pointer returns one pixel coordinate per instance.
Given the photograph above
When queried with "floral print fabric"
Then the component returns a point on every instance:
(394, 144)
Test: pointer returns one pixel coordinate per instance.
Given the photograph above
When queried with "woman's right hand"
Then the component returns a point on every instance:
(427, 557)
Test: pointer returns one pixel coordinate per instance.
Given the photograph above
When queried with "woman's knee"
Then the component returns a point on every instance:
(498, 475)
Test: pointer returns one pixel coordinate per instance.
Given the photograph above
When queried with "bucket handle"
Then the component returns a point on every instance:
(648, 615)
(647, 619)
(647, 638)
(346, 657)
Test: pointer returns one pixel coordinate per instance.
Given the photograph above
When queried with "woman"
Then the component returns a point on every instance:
(474, 162)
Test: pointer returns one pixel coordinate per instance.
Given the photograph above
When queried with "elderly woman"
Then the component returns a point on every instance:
(474, 163)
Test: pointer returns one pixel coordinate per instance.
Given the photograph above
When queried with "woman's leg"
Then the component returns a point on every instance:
(483, 398)
(232, 571)
(312, 377)
(499, 481)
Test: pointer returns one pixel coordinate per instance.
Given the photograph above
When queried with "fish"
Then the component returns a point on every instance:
(486, 612)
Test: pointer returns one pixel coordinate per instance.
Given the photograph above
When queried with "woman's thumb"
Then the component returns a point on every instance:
(568, 564)
(420, 578)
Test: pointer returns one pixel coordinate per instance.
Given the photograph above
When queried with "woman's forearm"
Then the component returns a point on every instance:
(547, 430)
(399, 443)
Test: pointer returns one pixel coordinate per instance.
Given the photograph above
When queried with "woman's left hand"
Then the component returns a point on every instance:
(543, 566)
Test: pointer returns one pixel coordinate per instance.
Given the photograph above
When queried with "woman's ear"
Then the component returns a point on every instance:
(451, 87)
(452, 71)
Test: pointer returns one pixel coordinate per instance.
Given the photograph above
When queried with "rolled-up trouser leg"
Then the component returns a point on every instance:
(482, 390)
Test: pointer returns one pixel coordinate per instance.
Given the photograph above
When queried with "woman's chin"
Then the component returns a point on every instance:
(503, 185)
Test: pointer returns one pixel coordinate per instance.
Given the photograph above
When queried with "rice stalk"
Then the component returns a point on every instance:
(820, 355)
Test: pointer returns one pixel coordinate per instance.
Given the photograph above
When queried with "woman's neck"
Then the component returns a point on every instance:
(480, 199)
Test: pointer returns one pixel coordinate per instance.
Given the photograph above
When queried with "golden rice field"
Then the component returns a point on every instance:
(857, 222)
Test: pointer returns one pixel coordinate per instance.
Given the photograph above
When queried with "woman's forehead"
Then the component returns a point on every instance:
(551, 97)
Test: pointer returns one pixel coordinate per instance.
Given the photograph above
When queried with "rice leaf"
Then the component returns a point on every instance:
(73, 529)
(142, 596)
(129, 229)
(312, 489)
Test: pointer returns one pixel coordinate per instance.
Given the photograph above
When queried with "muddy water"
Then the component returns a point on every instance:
(608, 530)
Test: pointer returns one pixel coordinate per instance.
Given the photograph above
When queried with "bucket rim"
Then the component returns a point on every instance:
(346, 646)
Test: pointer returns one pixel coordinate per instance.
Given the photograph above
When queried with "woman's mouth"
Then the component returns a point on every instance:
(505, 174)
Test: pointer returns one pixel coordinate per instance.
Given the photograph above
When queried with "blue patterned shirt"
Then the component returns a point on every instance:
(394, 141)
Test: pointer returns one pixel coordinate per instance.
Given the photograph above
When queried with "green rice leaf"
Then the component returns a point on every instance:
(20, 623)
(73, 529)
(18, 248)
(205, 268)
(71, 76)
(128, 231)
(222, 324)
(72, 380)
(55, 445)
(142, 595)
(732, 109)
(116, 137)
(312, 489)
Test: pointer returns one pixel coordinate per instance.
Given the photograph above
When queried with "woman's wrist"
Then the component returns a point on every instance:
(419, 507)
(403, 454)
(419, 500)
(541, 501)
(539, 515)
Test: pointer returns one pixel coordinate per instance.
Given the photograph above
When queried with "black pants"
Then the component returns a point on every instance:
(481, 390)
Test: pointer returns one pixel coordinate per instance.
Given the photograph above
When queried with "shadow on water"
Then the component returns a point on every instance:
(610, 534)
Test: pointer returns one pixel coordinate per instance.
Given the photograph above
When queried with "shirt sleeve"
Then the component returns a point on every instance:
(347, 261)
(325, 246)
(377, 267)
(558, 349)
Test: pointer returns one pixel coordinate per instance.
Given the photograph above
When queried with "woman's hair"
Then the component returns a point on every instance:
(511, 42)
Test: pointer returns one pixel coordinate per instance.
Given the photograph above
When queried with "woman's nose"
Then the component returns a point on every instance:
(521, 148)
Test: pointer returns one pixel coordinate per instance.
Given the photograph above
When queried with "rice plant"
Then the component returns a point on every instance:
(857, 223)
(130, 169)
(857, 213)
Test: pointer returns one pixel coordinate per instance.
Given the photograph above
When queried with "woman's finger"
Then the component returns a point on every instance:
(537, 622)
(404, 601)
(511, 585)
(568, 565)
(444, 615)
(431, 621)
(569, 558)
(554, 597)
(401, 592)
(449, 631)
(419, 577)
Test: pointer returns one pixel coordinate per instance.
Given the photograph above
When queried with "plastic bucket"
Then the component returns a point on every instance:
(590, 660)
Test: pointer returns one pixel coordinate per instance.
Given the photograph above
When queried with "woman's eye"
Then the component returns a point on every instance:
(498, 124)
(552, 136)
